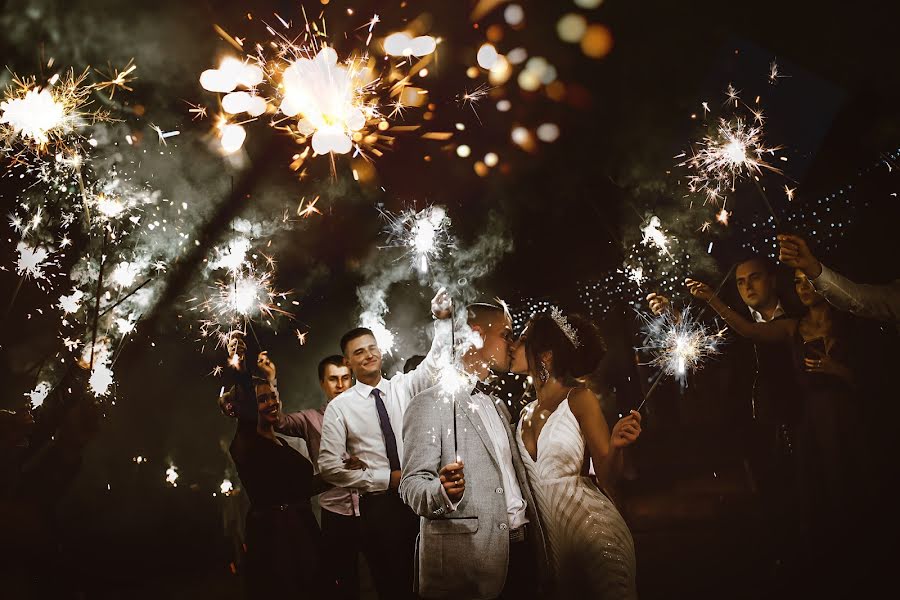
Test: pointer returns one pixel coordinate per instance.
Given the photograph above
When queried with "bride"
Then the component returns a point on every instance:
(559, 435)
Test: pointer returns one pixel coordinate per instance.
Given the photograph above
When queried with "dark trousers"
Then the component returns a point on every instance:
(388, 529)
(341, 544)
(521, 574)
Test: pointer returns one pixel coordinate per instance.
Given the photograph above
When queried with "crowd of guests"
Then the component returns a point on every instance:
(447, 494)
(817, 388)
(441, 489)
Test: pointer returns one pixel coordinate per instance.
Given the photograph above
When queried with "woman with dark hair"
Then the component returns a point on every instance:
(828, 439)
(559, 436)
(283, 545)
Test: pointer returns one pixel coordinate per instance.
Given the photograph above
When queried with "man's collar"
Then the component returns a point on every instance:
(365, 390)
(759, 318)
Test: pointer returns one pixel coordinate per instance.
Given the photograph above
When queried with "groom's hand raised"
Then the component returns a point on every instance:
(454, 481)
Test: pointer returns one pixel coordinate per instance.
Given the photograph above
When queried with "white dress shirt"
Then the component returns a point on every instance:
(351, 424)
(483, 405)
(760, 318)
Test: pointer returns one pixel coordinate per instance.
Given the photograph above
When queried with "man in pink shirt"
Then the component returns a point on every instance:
(340, 506)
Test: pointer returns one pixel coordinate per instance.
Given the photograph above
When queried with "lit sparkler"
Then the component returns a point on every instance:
(329, 103)
(679, 342)
(652, 234)
(424, 234)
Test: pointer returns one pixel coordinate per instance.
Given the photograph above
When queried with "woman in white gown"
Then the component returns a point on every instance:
(560, 433)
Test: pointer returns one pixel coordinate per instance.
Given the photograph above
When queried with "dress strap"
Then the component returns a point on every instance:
(570, 393)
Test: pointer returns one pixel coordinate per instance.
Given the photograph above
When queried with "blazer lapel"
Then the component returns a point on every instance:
(463, 401)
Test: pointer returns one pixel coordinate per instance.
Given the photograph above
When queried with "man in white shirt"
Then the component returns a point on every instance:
(463, 474)
(365, 421)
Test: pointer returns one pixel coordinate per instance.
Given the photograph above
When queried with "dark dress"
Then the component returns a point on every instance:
(828, 445)
(283, 545)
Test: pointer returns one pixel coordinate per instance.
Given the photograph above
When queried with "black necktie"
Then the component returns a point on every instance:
(485, 388)
(390, 442)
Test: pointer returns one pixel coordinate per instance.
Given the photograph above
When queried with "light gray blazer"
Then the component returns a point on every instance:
(463, 553)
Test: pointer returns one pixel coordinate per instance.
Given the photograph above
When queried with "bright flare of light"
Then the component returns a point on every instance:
(424, 234)
(71, 303)
(125, 273)
(34, 115)
(172, 475)
(679, 343)
(226, 487)
(652, 234)
(327, 97)
(37, 396)
(109, 207)
(31, 261)
(402, 44)
(232, 137)
(384, 337)
(734, 150)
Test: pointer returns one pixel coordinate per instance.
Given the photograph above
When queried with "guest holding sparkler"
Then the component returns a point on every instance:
(828, 443)
(283, 543)
(770, 420)
(480, 535)
(362, 421)
(881, 302)
(559, 436)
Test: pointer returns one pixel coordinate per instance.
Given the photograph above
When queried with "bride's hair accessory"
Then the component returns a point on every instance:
(563, 323)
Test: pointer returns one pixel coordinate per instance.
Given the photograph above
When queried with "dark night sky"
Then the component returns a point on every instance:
(567, 207)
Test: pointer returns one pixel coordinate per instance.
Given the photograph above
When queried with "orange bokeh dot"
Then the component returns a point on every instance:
(597, 41)
(494, 33)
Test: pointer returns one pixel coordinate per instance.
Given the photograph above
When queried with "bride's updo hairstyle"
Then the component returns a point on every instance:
(543, 334)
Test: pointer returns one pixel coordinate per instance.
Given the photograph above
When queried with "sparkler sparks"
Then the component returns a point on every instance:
(736, 149)
(680, 344)
(425, 234)
(329, 103)
(37, 396)
(40, 118)
(652, 234)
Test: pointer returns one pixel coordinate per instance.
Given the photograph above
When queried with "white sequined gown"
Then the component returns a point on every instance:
(590, 546)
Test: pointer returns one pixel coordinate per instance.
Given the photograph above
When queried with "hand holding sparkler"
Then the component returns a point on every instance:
(453, 480)
(659, 304)
(700, 290)
(442, 305)
(626, 431)
(265, 365)
(794, 252)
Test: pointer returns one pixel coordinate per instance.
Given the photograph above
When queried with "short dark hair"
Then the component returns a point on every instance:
(413, 362)
(351, 335)
(479, 312)
(335, 360)
(767, 265)
(569, 362)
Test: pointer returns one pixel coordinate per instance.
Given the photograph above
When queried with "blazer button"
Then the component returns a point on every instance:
(499, 490)
(503, 526)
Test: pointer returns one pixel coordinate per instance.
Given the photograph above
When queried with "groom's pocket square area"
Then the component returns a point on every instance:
(451, 526)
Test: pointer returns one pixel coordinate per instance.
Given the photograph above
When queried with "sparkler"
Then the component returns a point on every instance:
(43, 118)
(734, 150)
(424, 234)
(680, 343)
(652, 234)
(327, 102)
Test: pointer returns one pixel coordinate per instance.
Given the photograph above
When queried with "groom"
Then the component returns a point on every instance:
(480, 536)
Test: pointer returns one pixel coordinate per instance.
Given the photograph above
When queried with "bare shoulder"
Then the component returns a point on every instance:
(583, 402)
